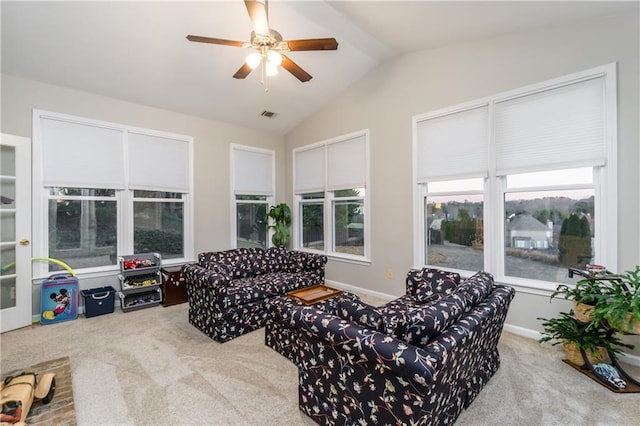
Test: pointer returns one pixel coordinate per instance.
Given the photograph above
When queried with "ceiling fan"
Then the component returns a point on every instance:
(269, 45)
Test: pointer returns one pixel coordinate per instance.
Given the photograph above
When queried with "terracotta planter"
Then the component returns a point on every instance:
(583, 312)
(572, 352)
(635, 325)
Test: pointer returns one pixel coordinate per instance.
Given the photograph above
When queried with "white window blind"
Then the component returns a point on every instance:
(347, 164)
(158, 163)
(252, 171)
(81, 155)
(455, 144)
(555, 128)
(310, 170)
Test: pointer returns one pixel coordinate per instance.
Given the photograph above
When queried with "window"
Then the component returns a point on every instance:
(253, 193)
(549, 221)
(312, 220)
(83, 226)
(517, 183)
(348, 221)
(330, 194)
(123, 191)
(251, 225)
(158, 223)
(454, 224)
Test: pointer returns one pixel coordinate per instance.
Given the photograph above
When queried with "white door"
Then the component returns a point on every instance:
(15, 232)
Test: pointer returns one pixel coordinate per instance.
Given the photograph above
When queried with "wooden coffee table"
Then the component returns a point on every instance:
(313, 294)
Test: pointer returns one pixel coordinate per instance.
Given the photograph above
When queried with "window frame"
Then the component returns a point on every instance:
(328, 202)
(604, 183)
(123, 197)
(234, 193)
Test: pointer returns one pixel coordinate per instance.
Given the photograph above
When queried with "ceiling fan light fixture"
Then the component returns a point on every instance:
(271, 69)
(274, 58)
(253, 60)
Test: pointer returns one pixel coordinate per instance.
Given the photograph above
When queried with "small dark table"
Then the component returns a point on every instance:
(174, 286)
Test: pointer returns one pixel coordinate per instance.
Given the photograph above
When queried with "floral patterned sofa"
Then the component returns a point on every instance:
(228, 291)
(418, 360)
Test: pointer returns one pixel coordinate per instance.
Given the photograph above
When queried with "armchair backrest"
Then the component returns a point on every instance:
(423, 284)
(251, 262)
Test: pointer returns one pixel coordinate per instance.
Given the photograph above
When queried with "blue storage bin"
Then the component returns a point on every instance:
(98, 301)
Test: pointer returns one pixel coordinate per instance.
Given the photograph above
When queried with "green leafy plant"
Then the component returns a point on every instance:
(281, 215)
(587, 291)
(620, 306)
(565, 329)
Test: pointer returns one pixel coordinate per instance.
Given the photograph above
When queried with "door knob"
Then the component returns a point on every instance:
(25, 242)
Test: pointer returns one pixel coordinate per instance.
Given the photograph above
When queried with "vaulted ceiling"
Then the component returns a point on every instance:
(137, 51)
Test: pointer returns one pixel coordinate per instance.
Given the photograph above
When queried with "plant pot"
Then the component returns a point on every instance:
(574, 356)
(633, 329)
(583, 312)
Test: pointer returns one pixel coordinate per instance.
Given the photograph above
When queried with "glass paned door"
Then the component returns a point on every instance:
(15, 232)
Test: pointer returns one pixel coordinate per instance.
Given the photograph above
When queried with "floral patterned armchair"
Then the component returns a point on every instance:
(228, 291)
(407, 362)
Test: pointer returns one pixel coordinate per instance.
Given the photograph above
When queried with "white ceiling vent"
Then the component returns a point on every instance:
(269, 114)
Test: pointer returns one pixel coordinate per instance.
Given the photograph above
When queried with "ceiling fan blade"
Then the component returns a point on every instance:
(243, 72)
(258, 15)
(210, 40)
(313, 44)
(295, 69)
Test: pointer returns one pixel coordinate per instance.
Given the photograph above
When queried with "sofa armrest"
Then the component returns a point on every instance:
(302, 261)
(380, 350)
(212, 277)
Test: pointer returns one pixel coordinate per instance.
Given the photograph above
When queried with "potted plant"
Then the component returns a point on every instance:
(281, 215)
(620, 307)
(573, 336)
(585, 294)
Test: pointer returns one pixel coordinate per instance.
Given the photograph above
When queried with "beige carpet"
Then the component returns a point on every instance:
(60, 411)
(151, 367)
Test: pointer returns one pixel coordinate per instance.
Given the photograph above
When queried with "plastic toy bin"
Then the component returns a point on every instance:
(98, 301)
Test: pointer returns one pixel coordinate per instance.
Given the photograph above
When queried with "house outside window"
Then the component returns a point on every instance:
(111, 197)
(545, 155)
(331, 204)
(252, 188)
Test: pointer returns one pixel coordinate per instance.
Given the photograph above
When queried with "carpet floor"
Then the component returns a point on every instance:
(151, 367)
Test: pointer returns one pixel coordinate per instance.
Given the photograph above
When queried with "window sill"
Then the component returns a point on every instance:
(358, 260)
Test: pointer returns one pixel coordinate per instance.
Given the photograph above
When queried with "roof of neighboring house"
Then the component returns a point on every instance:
(525, 222)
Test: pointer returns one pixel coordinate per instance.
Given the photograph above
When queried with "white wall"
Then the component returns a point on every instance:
(211, 150)
(386, 99)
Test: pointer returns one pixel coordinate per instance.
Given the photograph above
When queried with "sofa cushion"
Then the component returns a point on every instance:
(423, 284)
(475, 288)
(355, 310)
(418, 326)
(276, 259)
(246, 262)
(245, 290)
